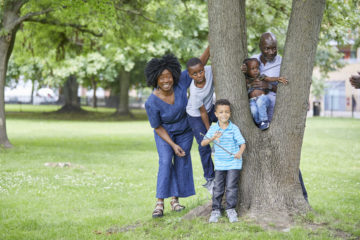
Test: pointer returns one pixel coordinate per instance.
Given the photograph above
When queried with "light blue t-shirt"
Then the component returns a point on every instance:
(230, 139)
(201, 96)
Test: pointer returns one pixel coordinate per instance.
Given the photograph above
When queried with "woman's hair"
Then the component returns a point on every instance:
(222, 102)
(157, 65)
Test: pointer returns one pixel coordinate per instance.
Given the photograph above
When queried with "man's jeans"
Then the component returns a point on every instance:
(230, 179)
(303, 186)
(258, 107)
(272, 98)
(198, 127)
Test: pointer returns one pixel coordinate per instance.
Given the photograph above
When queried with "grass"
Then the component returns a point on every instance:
(112, 181)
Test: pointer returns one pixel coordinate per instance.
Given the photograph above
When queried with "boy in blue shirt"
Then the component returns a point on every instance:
(227, 158)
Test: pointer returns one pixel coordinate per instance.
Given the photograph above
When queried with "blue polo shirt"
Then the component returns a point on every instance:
(230, 139)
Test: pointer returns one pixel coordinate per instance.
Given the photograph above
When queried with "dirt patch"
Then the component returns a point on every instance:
(62, 165)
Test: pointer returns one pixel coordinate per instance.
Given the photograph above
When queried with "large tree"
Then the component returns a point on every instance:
(10, 21)
(269, 185)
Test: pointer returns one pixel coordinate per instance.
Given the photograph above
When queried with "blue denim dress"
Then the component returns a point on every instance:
(175, 176)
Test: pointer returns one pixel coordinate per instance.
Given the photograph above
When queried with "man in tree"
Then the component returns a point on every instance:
(270, 64)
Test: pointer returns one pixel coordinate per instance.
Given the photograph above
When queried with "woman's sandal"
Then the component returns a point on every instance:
(175, 205)
(159, 210)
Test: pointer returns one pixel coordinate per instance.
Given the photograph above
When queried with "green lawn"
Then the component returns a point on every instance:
(111, 183)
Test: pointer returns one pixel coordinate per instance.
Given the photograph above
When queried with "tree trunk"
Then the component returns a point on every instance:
(94, 85)
(32, 91)
(269, 189)
(70, 94)
(9, 24)
(124, 84)
(4, 49)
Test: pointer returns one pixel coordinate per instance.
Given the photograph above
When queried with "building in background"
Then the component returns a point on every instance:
(340, 99)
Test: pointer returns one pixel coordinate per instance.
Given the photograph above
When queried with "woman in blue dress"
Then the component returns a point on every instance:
(166, 110)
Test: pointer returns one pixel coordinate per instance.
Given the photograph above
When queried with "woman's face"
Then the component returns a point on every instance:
(165, 81)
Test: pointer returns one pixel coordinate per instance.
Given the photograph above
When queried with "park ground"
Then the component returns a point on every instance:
(108, 191)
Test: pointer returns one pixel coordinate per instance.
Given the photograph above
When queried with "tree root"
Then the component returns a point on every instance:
(201, 211)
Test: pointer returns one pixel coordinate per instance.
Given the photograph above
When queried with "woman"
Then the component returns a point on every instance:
(166, 110)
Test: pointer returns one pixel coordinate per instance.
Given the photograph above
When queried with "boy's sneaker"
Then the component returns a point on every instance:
(232, 215)
(209, 185)
(264, 125)
(214, 217)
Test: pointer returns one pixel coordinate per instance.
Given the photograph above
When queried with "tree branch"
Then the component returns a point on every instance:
(135, 13)
(32, 14)
(81, 28)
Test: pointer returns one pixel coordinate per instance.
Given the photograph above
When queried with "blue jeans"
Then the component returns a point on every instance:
(272, 98)
(258, 107)
(197, 127)
(230, 180)
(303, 186)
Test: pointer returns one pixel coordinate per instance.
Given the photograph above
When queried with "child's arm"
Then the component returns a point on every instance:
(276, 79)
(204, 117)
(205, 56)
(238, 155)
(206, 141)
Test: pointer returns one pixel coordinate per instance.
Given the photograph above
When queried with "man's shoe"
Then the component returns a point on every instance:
(214, 217)
(264, 125)
(209, 185)
(232, 215)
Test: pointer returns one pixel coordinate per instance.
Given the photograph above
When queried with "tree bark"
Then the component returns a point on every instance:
(124, 85)
(70, 94)
(32, 91)
(9, 25)
(4, 49)
(269, 187)
(94, 85)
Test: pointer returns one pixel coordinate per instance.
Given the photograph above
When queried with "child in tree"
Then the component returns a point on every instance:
(200, 111)
(227, 159)
(259, 102)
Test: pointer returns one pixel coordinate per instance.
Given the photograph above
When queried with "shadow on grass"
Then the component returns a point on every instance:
(86, 114)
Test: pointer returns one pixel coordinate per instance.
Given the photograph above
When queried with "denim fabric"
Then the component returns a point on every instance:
(258, 107)
(198, 127)
(175, 176)
(303, 186)
(270, 110)
(230, 179)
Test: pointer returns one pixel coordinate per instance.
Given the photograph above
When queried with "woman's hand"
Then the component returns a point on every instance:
(178, 151)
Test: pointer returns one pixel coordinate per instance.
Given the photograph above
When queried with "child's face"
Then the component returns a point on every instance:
(253, 69)
(197, 73)
(223, 113)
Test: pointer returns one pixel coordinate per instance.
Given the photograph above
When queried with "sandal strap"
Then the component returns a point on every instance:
(158, 207)
(175, 205)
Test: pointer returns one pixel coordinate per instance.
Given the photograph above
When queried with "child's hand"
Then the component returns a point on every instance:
(238, 155)
(216, 136)
(282, 80)
(244, 68)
